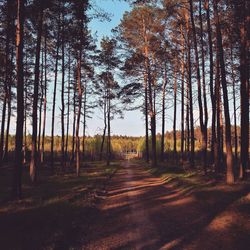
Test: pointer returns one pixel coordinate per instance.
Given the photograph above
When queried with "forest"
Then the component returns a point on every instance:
(183, 65)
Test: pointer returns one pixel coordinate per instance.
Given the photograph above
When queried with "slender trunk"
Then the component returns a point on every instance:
(109, 136)
(74, 126)
(234, 105)
(6, 148)
(197, 65)
(78, 115)
(68, 108)
(187, 121)
(54, 101)
(163, 112)
(62, 102)
(105, 127)
(25, 129)
(7, 77)
(79, 88)
(151, 97)
(175, 110)
(34, 162)
(41, 105)
(182, 94)
(243, 20)
(229, 154)
(17, 180)
(3, 128)
(146, 115)
(45, 97)
(217, 142)
(211, 73)
(190, 92)
(84, 119)
(205, 122)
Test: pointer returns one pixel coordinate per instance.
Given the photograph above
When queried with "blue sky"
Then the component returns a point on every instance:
(133, 122)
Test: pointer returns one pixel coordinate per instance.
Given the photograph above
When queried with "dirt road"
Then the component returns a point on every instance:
(141, 212)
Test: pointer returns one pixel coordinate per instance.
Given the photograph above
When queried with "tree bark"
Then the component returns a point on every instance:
(84, 119)
(175, 110)
(68, 107)
(190, 92)
(229, 155)
(152, 113)
(34, 162)
(197, 65)
(105, 126)
(54, 100)
(62, 101)
(74, 128)
(17, 180)
(109, 135)
(146, 115)
(211, 73)
(243, 21)
(205, 122)
(234, 107)
(182, 93)
(163, 112)
(41, 105)
(7, 77)
(45, 96)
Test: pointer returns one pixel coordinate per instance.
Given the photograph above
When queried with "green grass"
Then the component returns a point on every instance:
(179, 176)
(53, 210)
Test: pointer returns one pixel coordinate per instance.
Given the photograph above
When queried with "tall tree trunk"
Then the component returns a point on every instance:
(54, 100)
(234, 105)
(68, 107)
(34, 162)
(41, 105)
(187, 120)
(211, 73)
(84, 119)
(74, 127)
(175, 110)
(146, 115)
(197, 65)
(217, 96)
(152, 113)
(205, 122)
(62, 101)
(190, 92)
(242, 17)
(45, 96)
(182, 93)
(163, 112)
(109, 135)
(6, 148)
(230, 167)
(17, 180)
(79, 87)
(105, 126)
(25, 129)
(7, 62)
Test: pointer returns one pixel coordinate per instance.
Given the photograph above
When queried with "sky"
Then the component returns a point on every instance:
(133, 122)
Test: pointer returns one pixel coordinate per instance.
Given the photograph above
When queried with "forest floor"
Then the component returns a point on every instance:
(138, 208)
(50, 212)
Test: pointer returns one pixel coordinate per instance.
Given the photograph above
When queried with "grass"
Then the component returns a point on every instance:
(57, 206)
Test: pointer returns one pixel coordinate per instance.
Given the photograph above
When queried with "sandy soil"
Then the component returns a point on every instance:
(141, 212)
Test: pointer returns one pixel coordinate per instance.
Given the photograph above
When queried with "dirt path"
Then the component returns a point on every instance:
(140, 212)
